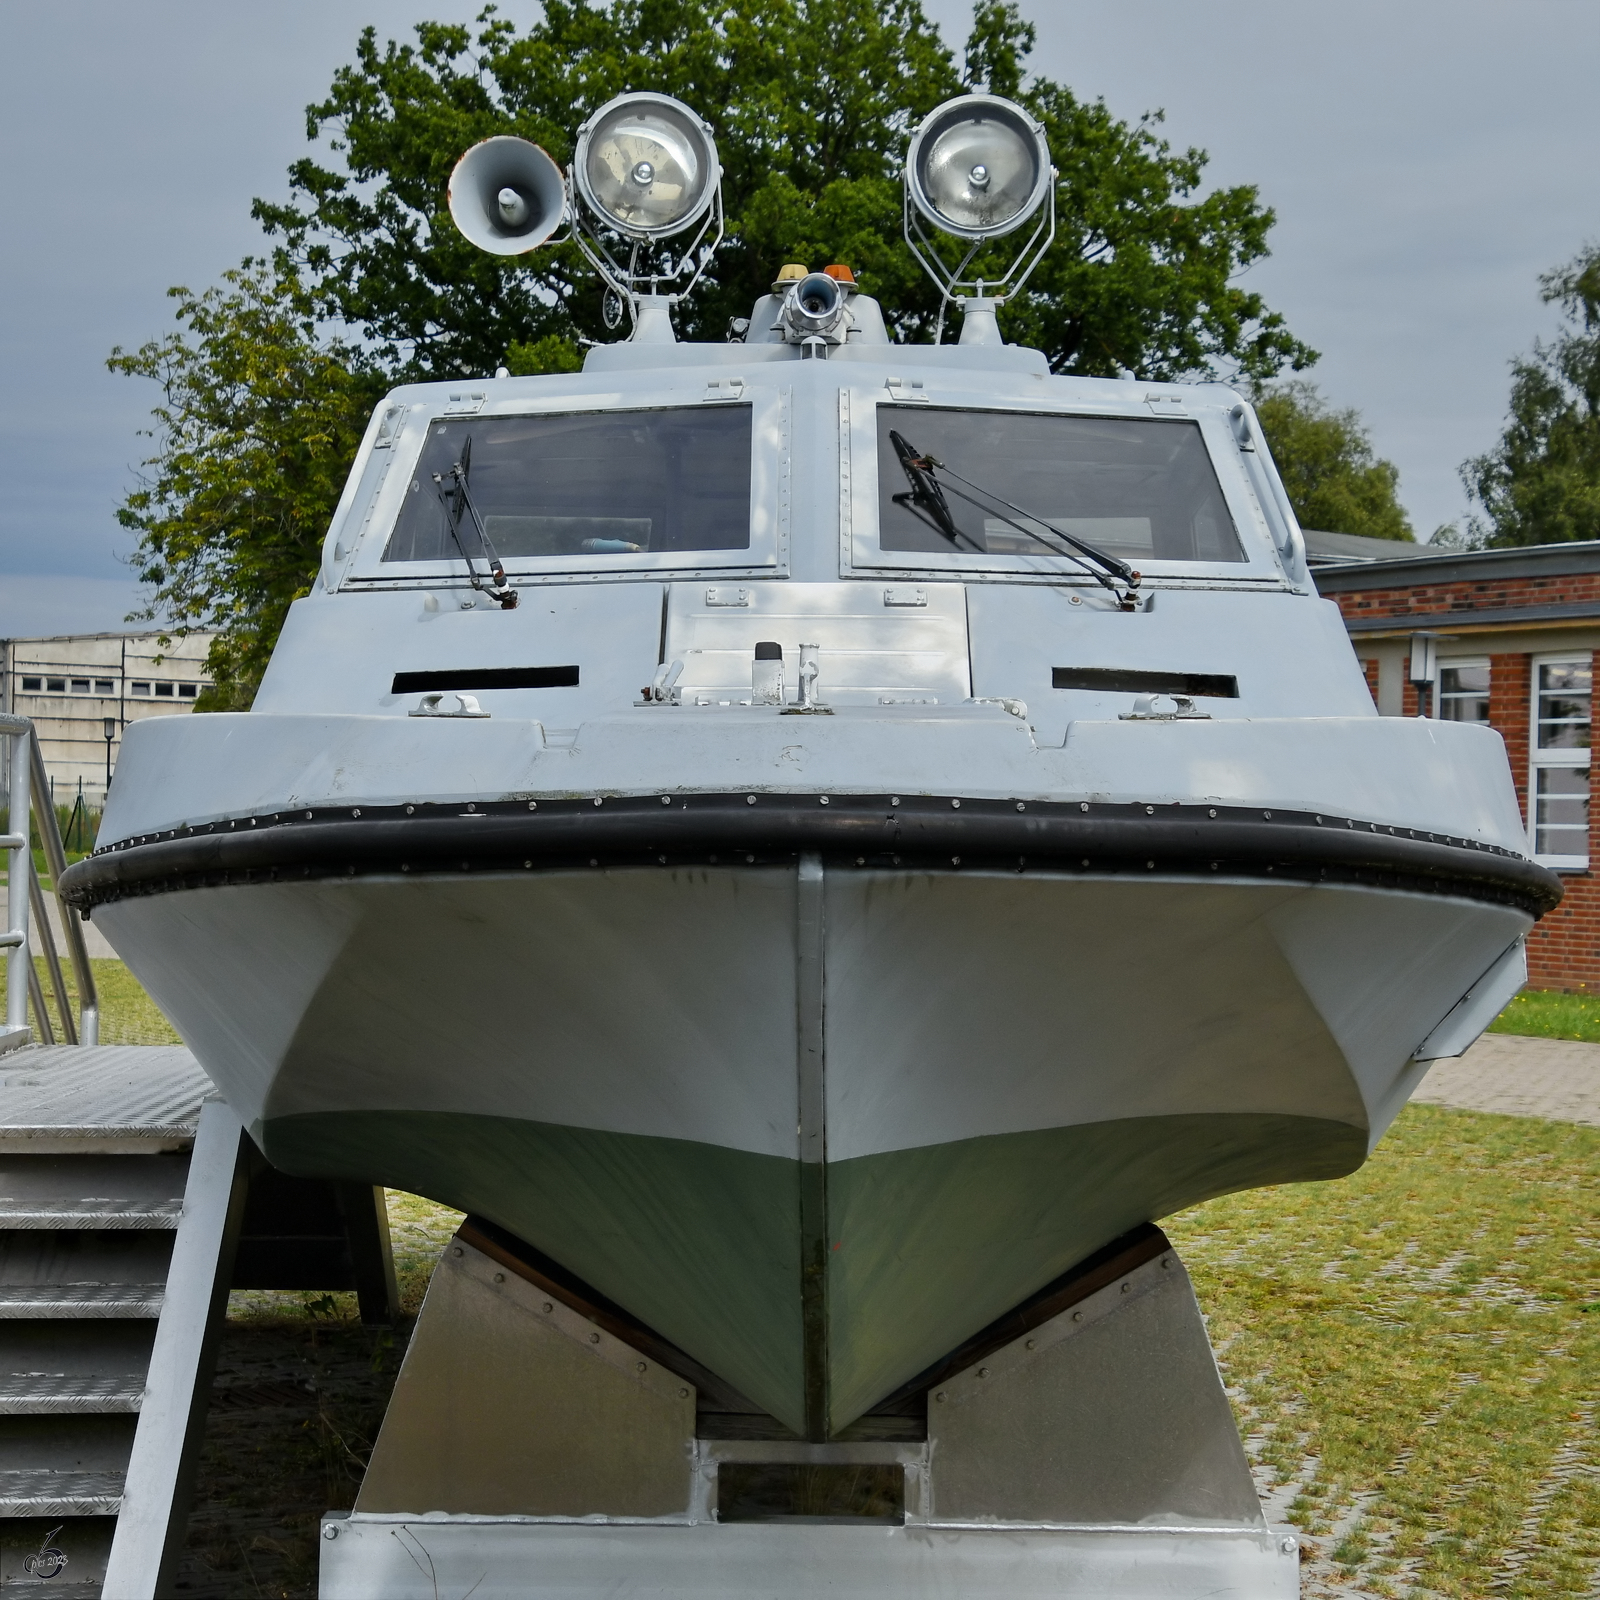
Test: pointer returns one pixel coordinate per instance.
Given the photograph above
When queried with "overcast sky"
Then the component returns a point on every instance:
(1426, 160)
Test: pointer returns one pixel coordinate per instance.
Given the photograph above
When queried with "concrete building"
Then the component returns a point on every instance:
(82, 690)
(1516, 633)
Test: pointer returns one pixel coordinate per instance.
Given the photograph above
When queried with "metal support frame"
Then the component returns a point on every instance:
(530, 1451)
(623, 280)
(27, 925)
(987, 294)
(155, 1503)
(315, 1233)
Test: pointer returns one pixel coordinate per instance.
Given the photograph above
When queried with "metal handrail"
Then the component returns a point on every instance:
(24, 895)
(55, 854)
(19, 958)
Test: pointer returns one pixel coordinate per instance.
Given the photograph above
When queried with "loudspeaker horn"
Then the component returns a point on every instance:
(507, 195)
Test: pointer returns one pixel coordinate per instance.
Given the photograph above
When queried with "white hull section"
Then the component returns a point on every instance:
(664, 1004)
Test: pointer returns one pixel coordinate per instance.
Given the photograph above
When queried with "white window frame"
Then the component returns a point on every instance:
(766, 556)
(860, 555)
(1543, 760)
(1447, 663)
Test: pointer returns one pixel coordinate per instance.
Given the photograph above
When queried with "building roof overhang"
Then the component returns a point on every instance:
(1462, 566)
(1477, 619)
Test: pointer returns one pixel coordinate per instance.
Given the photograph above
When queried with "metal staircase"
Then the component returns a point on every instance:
(97, 1186)
(131, 1201)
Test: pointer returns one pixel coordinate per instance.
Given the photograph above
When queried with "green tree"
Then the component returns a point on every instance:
(1541, 483)
(812, 102)
(1325, 458)
(259, 419)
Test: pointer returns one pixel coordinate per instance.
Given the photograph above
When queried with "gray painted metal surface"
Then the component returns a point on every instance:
(528, 1451)
(154, 1505)
(110, 1098)
(94, 1171)
(115, 1255)
(81, 1300)
(414, 1559)
(854, 1109)
(509, 1401)
(1112, 1412)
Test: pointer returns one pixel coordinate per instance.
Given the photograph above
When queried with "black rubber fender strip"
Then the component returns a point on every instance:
(919, 832)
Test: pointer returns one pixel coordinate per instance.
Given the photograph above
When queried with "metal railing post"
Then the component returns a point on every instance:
(55, 855)
(45, 945)
(19, 873)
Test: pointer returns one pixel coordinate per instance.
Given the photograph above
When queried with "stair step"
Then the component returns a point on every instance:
(90, 1213)
(56, 1591)
(52, 1393)
(49, 1300)
(60, 1494)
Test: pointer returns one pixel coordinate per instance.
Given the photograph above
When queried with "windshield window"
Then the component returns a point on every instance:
(613, 483)
(1142, 489)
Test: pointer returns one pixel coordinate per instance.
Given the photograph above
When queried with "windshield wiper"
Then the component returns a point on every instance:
(926, 500)
(458, 499)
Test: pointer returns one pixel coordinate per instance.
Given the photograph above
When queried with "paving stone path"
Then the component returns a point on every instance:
(1520, 1077)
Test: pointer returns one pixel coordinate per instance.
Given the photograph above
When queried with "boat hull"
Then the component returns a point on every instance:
(816, 1124)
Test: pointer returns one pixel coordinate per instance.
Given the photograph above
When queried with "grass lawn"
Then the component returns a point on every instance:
(127, 1014)
(1414, 1356)
(1552, 1015)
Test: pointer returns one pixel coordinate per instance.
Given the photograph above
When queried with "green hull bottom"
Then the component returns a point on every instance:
(926, 1246)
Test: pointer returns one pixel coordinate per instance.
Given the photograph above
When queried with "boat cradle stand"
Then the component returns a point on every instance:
(529, 1449)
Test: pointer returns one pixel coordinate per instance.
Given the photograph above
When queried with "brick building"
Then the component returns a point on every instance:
(1516, 633)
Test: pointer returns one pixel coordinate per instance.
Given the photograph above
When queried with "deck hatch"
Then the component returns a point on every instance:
(486, 678)
(1117, 680)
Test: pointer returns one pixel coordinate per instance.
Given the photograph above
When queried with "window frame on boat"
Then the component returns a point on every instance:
(385, 472)
(860, 552)
(1545, 760)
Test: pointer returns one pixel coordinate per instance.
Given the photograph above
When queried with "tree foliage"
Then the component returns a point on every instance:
(1541, 483)
(1325, 458)
(812, 102)
(259, 419)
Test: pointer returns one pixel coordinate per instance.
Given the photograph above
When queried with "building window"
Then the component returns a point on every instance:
(80, 686)
(56, 685)
(36, 684)
(1563, 689)
(140, 688)
(104, 686)
(1464, 691)
(164, 689)
(187, 691)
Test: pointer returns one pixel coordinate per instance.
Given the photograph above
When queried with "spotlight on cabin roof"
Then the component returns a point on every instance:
(978, 167)
(646, 165)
